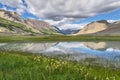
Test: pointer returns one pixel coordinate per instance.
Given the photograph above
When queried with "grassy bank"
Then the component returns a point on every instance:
(57, 38)
(25, 66)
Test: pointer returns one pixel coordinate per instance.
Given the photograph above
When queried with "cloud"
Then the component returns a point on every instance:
(71, 45)
(59, 9)
(72, 26)
(112, 21)
(11, 3)
(17, 4)
(60, 22)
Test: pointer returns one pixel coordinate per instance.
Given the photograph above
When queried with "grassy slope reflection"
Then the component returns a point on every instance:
(23, 66)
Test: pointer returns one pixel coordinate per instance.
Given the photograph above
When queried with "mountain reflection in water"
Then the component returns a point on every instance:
(106, 53)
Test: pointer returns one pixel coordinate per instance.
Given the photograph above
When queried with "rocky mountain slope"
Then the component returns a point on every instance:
(9, 15)
(94, 27)
(43, 27)
(113, 29)
(11, 22)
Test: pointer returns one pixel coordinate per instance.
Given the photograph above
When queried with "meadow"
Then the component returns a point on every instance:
(28, 66)
(54, 38)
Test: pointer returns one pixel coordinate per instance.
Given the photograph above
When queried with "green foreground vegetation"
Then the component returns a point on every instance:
(26, 66)
(57, 38)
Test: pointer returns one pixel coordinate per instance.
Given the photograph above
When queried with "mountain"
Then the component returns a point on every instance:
(11, 22)
(10, 15)
(113, 29)
(8, 26)
(102, 45)
(94, 27)
(43, 27)
(27, 47)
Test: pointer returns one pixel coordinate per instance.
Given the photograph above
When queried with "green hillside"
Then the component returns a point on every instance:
(12, 26)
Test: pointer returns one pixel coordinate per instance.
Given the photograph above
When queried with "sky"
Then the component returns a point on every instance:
(65, 14)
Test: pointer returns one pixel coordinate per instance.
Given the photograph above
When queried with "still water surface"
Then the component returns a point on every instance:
(96, 53)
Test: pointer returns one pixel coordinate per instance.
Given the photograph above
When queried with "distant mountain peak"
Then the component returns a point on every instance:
(94, 27)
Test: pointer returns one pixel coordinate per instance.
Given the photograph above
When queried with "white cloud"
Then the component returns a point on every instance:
(112, 21)
(11, 3)
(18, 4)
(112, 50)
(72, 26)
(59, 22)
(59, 9)
(71, 45)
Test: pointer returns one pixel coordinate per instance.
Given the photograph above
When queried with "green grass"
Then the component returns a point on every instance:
(57, 38)
(26, 66)
(50, 31)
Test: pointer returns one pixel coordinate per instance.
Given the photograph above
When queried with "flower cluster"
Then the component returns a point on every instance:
(58, 65)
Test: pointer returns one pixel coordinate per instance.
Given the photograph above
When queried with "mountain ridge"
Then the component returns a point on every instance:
(94, 27)
(113, 29)
(101, 27)
(32, 25)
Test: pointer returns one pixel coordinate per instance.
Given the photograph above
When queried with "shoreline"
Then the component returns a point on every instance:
(57, 38)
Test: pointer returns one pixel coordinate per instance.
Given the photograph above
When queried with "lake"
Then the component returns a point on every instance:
(93, 53)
